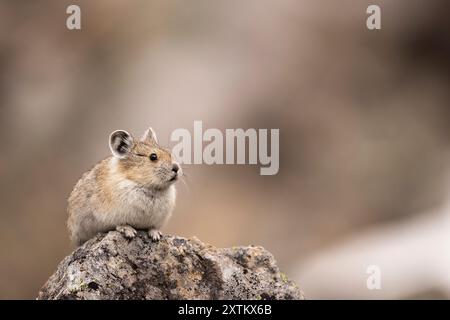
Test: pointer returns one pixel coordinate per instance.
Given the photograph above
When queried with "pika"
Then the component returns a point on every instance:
(132, 189)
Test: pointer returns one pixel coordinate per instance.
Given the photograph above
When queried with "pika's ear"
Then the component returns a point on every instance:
(150, 136)
(120, 143)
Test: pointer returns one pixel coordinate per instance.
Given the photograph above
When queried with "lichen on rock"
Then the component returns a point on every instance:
(112, 267)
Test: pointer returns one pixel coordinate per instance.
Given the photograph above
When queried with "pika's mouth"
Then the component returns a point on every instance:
(175, 177)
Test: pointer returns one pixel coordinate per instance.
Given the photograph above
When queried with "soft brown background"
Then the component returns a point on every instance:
(363, 116)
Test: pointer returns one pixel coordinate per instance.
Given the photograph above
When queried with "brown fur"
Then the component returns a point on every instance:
(130, 190)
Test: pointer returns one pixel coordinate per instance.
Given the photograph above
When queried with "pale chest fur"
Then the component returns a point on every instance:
(138, 207)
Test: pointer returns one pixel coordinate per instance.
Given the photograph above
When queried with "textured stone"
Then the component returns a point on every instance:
(112, 267)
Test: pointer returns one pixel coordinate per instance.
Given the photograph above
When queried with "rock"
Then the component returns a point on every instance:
(112, 267)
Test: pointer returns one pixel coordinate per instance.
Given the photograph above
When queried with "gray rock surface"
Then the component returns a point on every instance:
(112, 267)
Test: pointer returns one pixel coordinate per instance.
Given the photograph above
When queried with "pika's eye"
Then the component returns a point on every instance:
(153, 157)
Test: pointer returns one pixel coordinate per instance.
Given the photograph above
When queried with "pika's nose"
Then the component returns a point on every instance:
(175, 167)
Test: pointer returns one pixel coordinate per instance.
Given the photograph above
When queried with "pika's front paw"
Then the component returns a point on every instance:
(155, 234)
(127, 231)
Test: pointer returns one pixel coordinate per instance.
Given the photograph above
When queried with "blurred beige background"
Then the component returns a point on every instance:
(363, 115)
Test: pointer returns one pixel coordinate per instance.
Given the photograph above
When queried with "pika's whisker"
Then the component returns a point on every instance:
(183, 179)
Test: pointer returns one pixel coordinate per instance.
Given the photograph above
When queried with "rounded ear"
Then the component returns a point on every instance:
(120, 143)
(150, 136)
